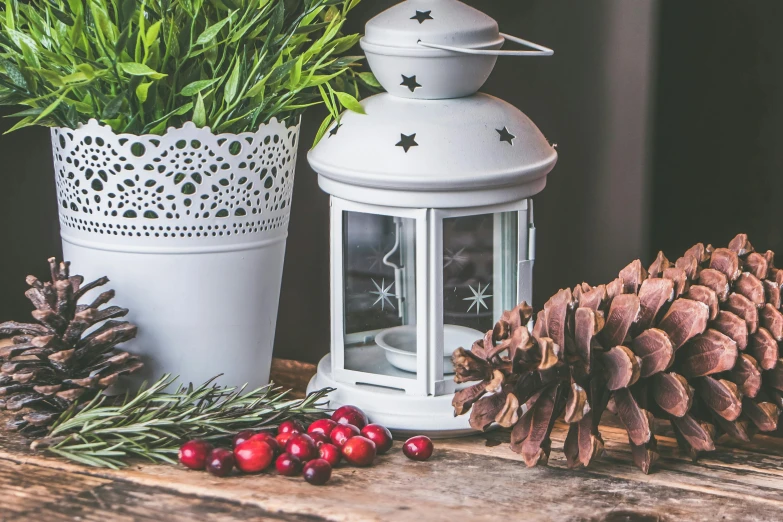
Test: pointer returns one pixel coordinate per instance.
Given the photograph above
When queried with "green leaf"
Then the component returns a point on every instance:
(210, 33)
(349, 102)
(232, 84)
(296, 74)
(200, 113)
(142, 90)
(13, 72)
(64, 18)
(139, 69)
(122, 41)
(307, 29)
(112, 108)
(369, 78)
(322, 129)
(196, 87)
(71, 60)
(50, 108)
(128, 8)
(152, 33)
(76, 77)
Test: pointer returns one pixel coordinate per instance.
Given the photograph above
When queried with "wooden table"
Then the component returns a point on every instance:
(470, 479)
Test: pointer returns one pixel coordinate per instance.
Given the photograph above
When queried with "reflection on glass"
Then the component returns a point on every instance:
(379, 275)
(479, 269)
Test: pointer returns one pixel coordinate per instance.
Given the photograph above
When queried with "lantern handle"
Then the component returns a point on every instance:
(540, 50)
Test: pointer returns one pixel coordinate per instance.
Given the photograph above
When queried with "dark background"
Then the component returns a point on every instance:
(667, 117)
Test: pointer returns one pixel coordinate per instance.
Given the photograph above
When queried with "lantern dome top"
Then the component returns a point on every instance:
(445, 22)
(463, 152)
(438, 48)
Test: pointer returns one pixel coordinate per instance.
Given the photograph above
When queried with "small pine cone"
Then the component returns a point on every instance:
(695, 342)
(52, 363)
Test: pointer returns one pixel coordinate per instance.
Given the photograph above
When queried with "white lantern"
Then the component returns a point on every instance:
(432, 233)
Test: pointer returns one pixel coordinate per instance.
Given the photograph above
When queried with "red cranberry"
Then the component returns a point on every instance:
(242, 436)
(331, 454)
(288, 465)
(350, 415)
(418, 448)
(317, 472)
(220, 462)
(291, 426)
(320, 438)
(359, 451)
(324, 426)
(343, 432)
(282, 439)
(269, 439)
(380, 435)
(302, 447)
(193, 454)
(253, 456)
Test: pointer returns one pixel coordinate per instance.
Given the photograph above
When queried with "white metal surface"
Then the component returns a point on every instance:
(191, 228)
(448, 22)
(446, 46)
(459, 158)
(430, 149)
(403, 414)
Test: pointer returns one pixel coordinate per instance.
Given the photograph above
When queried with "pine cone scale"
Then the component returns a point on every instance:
(695, 342)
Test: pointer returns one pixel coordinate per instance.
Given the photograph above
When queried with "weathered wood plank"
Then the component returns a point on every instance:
(476, 478)
(292, 374)
(35, 493)
(452, 485)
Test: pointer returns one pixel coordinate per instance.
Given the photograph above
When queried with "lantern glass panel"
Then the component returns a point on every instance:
(379, 280)
(480, 269)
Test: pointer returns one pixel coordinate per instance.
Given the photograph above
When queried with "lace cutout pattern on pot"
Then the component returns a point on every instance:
(184, 185)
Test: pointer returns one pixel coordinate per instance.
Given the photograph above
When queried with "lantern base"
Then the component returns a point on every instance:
(403, 414)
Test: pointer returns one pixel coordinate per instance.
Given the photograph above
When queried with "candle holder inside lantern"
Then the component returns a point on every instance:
(432, 233)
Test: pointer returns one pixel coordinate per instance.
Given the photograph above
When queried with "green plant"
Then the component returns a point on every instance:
(142, 66)
(153, 424)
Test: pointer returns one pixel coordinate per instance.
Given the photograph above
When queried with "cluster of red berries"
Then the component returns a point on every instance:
(313, 452)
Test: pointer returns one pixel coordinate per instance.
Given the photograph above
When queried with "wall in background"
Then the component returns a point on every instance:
(718, 167)
(591, 98)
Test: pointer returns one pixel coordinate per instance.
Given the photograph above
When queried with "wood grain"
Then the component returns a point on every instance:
(475, 478)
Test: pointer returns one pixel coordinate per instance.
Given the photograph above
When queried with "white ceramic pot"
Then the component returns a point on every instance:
(190, 227)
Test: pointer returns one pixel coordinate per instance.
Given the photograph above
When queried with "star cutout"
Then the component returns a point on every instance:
(334, 130)
(506, 136)
(383, 292)
(410, 82)
(406, 142)
(422, 16)
(478, 298)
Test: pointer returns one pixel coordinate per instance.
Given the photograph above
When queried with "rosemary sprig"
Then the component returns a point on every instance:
(153, 423)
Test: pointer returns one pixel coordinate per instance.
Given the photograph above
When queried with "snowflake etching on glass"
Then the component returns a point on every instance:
(478, 298)
(376, 256)
(384, 293)
(458, 259)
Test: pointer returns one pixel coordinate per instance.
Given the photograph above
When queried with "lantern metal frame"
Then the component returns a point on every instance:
(430, 149)
(429, 381)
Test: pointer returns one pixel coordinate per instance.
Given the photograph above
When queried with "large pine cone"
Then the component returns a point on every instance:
(50, 364)
(695, 342)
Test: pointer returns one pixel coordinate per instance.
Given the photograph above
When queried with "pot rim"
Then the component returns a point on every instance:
(186, 126)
